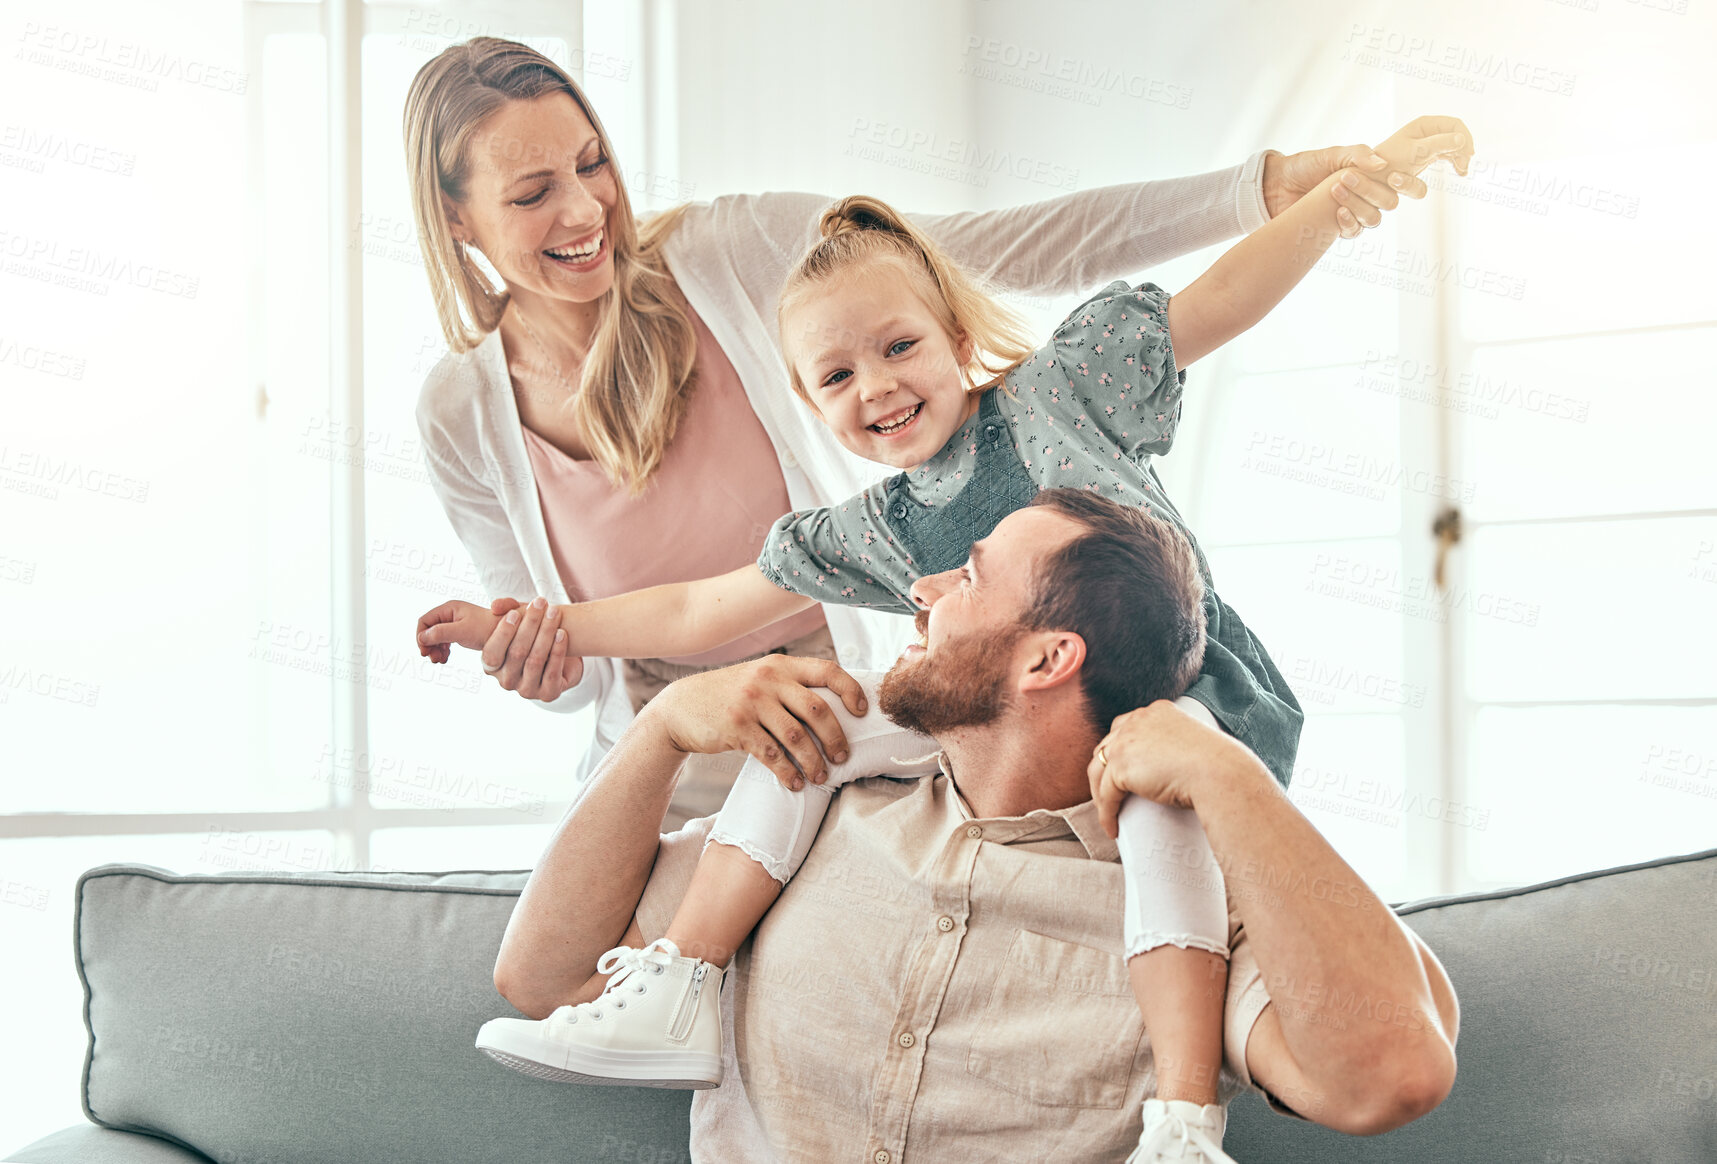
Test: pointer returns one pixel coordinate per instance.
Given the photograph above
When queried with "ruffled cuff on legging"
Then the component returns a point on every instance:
(775, 867)
(1146, 942)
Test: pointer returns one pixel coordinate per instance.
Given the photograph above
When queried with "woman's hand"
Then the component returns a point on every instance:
(528, 651)
(1377, 183)
(765, 707)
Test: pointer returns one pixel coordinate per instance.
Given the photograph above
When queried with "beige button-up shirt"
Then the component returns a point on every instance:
(936, 987)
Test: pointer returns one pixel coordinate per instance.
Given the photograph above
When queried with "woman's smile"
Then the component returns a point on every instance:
(578, 257)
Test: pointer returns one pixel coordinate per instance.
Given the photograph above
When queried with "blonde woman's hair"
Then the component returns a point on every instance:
(638, 376)
(861, 229)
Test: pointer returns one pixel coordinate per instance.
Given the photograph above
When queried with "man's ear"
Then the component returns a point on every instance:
(1057, 658)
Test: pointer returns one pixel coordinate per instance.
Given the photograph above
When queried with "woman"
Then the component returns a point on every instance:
(572, 434)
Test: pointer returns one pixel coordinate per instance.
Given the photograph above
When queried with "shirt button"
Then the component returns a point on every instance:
(906, 1039)
(944, 923)
(974, 831)
(882, 1156)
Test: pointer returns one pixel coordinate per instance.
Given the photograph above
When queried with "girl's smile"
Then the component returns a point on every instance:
(897, 423)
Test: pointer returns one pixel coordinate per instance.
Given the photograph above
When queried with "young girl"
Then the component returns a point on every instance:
(897, 351)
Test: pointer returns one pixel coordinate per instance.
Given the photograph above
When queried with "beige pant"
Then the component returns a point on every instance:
(705, 779)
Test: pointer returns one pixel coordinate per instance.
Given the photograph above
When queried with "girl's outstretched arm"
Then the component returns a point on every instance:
(680, 618)
(1254, 275)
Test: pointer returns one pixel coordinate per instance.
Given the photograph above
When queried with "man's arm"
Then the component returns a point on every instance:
(581, 898)
(1368, 1043)
(1320, 934)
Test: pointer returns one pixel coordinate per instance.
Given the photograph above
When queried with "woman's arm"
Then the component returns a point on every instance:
(480, 522)
(1056, 247)
(1079, 241)
(680, 618)
(1072, 243)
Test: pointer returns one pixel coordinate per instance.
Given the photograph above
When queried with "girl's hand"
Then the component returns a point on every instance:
(458, 623)
(1376, 181)
(765, 707)
(528, 652)
(1419, 143)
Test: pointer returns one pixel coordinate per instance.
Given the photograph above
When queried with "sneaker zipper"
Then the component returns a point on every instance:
(688, 1008)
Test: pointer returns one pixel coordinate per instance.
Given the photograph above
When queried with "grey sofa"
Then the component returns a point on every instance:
(272, 1019)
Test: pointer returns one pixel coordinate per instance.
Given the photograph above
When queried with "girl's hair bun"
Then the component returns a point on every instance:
(861, 229)
(859, 212)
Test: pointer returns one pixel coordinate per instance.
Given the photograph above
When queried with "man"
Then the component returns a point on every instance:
(942, 981)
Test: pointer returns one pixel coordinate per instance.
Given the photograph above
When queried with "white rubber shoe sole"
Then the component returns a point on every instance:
(518, 1044)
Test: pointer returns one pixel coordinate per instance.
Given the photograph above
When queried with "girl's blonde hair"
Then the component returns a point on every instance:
(862, 229)
(639, 374)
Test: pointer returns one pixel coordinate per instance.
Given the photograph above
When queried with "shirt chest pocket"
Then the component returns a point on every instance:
(1061, 1027)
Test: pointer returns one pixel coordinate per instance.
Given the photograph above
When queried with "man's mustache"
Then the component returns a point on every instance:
(921, 623)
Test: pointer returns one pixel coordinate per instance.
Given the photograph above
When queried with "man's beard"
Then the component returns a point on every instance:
(965, 684)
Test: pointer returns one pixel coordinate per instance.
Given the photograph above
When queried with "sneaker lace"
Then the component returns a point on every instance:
(626, 966)
(1176, 1133)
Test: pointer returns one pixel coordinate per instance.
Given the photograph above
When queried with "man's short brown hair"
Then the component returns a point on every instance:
(1130, 586)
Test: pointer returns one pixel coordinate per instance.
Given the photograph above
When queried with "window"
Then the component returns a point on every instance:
(259, 717)
(1533, 366)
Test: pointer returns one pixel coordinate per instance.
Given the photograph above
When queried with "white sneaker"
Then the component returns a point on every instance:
(658, 1024)
(1178, 1130)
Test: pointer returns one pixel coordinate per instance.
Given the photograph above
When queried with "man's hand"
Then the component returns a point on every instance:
(765, 707)
(1163, 754)
(1377, 185)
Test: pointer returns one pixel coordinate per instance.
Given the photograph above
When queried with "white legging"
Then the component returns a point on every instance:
(1175, 891)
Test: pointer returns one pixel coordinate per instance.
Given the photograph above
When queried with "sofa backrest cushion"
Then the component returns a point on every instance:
(330, 1017)
(304, 1017)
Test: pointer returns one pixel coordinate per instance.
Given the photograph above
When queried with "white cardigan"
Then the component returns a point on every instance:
(730, 258)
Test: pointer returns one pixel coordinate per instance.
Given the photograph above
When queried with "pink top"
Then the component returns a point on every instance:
(706, 511)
